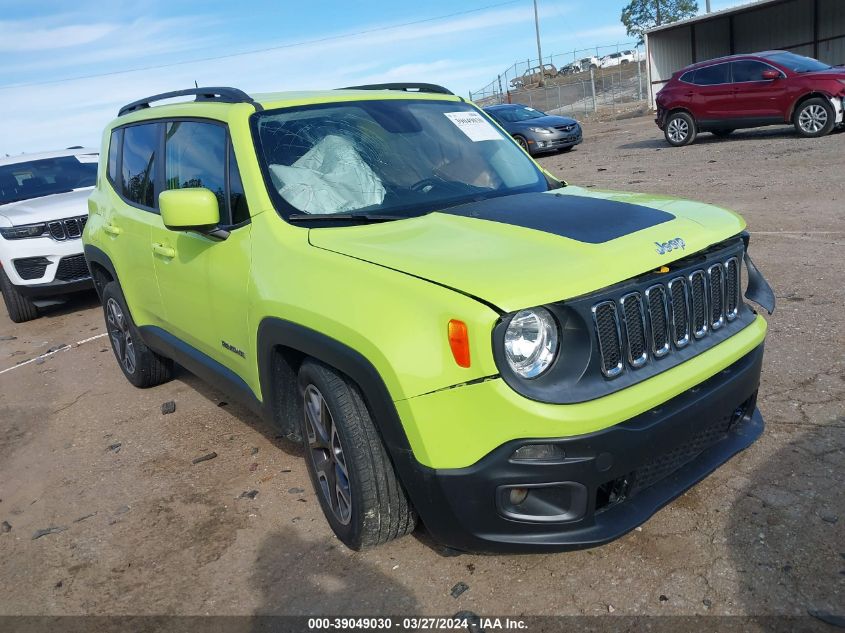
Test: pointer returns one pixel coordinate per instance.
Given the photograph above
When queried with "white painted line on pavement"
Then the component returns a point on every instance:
(55, 351)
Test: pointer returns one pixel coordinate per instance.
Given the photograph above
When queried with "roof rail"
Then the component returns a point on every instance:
(406, 87)
(222, 95)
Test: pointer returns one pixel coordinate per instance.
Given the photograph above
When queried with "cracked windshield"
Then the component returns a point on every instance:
(391, 157)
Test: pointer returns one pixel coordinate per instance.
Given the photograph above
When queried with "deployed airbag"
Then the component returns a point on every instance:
(329, 178)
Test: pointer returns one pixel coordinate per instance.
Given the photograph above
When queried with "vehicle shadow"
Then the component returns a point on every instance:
(316, 578)
(239, 411)
(786, 534)
(706, 138)
(72, 303)
(273, 435)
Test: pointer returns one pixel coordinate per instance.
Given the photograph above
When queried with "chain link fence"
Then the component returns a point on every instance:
(577, 83)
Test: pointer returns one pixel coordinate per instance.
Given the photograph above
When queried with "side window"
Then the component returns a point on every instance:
(114, 149)
(688, 76)
(748, 70)
(196, 157)
(138, 172)
(713, 75)
(237, 199)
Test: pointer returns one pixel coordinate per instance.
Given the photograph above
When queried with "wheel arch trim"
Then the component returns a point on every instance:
(96, 257)
(274, 333)
(815, 94)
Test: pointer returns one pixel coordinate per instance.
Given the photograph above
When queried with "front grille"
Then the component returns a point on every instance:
(717, 296)
(698, 299)
(565, 128)
(31, 267)
(680, 311)
(72, 268)
(610, 338)
(732, 286)
(666, 316)
(658, 318)
(67, 229)
(634, 318)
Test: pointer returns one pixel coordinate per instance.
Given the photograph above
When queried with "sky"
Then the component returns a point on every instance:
(67, 67)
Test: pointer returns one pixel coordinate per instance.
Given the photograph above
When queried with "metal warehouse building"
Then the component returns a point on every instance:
(815, 28)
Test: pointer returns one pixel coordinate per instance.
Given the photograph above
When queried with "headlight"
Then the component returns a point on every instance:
(21, 232)
(531, 342)
(541, 130)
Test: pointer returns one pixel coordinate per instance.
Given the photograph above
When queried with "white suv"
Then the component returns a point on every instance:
(616, 59)
(43, 209)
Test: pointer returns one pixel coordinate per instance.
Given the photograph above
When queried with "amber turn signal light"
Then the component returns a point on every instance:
(459, 342)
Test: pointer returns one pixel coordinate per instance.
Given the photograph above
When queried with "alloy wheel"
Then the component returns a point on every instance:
(522, 143)
(121, 337)
(678, 130)
(326, 454)
(813, 118)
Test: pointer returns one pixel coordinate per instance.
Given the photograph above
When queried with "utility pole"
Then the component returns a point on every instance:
(657, 12)
(539, 50)
(707, 3)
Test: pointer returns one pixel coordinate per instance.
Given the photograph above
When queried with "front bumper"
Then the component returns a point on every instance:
(56, 288)
(553, 143)
(609, 481)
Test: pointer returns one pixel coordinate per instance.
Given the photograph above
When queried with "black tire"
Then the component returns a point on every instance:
(680, 129)
(814, 118)
(522, 142)
(368, 505)
(722, 133)
(20, 308)
(141, 365)
(564, 150)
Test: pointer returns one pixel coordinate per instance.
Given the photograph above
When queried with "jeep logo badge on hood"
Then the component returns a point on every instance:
(671, 245)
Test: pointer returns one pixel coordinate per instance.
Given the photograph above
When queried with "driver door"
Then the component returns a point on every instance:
(203, 280)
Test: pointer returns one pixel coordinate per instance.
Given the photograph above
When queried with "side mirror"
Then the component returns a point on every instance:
(771, 74)
(184, 209)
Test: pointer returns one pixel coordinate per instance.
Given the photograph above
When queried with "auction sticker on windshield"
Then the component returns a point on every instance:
(474, 126)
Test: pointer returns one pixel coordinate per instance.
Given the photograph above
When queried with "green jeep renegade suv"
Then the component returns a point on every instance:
(453, 334)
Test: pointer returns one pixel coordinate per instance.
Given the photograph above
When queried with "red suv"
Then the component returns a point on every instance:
(742, 91)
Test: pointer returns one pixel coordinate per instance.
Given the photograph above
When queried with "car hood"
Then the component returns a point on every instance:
(837, 72)
(46, 208)
(531, 249)
(550, 120)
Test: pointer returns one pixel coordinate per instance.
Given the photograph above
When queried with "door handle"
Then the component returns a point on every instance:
(164, 251)
(111, 229)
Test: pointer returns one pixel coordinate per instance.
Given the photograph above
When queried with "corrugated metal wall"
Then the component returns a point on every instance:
(788, 25)
(832, 25)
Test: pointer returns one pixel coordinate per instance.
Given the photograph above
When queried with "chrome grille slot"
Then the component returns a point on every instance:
(634, 319)
(72, 228)
(658, 319)
(698, 303)
(716, 276)
(680, 312)
(732, 288)
(609, 337)
(57, 231)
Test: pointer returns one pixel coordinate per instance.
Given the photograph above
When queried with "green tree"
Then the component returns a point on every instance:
(642, 15)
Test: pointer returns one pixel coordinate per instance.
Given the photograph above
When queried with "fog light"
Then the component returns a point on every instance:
(539, 453)
(517, 495)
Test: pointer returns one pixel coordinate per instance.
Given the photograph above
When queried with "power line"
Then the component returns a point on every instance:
(260, 50)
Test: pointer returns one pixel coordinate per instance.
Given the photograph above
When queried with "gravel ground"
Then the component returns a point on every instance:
(140, 529)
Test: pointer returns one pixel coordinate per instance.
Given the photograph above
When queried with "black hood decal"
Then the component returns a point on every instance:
(591, 220)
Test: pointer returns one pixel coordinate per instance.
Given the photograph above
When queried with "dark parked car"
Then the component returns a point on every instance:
(742, 91)
(536, 131)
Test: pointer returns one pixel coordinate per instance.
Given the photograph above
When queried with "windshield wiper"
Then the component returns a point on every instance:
(364, 217)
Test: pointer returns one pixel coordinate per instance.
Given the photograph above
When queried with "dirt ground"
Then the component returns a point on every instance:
(146, 531)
